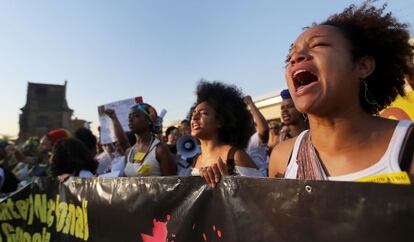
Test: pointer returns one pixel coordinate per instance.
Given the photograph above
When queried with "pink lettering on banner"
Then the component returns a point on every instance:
(159, 232)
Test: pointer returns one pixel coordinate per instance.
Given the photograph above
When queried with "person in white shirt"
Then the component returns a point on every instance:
(342, 72)
(257, 147)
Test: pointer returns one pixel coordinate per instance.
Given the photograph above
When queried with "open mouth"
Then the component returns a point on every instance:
(302, 78)
(285, 117)
(195, 126)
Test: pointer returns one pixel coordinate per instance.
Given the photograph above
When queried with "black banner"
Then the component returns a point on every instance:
(178, 209)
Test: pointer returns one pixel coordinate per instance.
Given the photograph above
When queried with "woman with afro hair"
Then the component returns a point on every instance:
(341, 73)
(70, 157)
(222, 123)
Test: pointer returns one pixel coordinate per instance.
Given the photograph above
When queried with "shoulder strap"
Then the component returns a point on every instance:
(193, 160)
(407, 149)
(230, 161)
(154, 144)
(290, 158)
(295, 148)
(128, 155)
(309, 165)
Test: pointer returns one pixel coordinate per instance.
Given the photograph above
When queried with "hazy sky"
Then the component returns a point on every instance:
(159, 49)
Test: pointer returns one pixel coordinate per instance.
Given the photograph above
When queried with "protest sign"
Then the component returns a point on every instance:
(121, 109)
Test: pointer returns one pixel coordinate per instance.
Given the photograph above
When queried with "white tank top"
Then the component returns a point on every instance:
(389, 163)
(149, 167)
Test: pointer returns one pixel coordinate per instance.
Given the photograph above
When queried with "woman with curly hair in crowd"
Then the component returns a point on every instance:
(70, 157)
(221, 121)
(342, 72)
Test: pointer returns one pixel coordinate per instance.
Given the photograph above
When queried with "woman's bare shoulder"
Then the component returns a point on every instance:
(241, 158)
(280, 157)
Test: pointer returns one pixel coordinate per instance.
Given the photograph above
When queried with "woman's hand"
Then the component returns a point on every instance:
(212, 174)
(248, 100)
(110, 112)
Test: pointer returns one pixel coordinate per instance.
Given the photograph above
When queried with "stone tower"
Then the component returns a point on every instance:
(46, 109)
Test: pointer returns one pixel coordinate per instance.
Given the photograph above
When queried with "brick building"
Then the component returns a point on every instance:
(46, 108)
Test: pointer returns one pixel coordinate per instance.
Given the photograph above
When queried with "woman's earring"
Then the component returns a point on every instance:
(368, 96)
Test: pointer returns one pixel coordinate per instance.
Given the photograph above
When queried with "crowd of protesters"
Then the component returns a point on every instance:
(340, 74)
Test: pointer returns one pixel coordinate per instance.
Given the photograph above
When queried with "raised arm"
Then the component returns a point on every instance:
(121, 137)
(261, 124)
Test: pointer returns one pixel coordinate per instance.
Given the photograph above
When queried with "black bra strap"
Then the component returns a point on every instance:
(193, 161)
(230, 161)
(407, 150)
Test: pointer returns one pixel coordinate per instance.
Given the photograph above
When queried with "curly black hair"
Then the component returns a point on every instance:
(71, 156)
(169, 130)
(374, 32)
(88, 138)
(231, 111)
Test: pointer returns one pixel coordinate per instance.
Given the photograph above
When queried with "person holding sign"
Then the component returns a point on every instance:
(148, 156)
(222, 123)
(342, 72)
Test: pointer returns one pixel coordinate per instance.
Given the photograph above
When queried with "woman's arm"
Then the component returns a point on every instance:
(123, 142)
(166, 160)
(261, 124)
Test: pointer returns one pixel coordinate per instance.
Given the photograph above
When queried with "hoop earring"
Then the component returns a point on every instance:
(368, 96)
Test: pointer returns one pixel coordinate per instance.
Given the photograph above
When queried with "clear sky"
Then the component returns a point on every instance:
(159, 49)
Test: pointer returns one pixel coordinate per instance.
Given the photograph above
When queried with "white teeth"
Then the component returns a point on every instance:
(298, 71)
